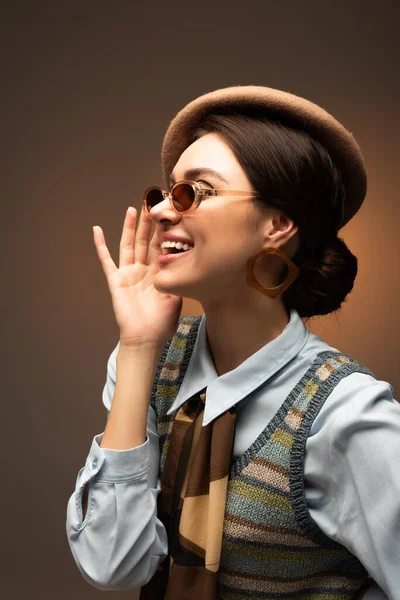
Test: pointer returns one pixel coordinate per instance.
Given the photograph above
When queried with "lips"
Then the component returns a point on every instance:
(167, 258)
(165, 251)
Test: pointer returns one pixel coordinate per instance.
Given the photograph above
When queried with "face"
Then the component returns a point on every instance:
(223, 229)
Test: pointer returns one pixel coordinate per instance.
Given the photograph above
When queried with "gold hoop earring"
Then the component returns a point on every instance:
(273, 292)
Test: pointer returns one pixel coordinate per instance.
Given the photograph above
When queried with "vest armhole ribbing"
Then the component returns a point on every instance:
(190, 337)
(302, 513)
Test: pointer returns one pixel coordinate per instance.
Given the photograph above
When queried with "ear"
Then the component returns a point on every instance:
(279, 229)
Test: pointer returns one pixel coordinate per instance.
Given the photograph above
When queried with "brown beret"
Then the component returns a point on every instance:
(290, 109)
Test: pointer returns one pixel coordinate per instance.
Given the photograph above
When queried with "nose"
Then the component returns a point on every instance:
(164, 211)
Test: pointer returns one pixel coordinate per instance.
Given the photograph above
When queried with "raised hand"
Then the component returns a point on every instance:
(144, 315)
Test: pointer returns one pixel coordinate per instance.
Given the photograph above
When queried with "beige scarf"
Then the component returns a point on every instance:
(191, 504)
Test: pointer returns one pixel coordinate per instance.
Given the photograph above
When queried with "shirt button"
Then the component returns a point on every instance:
(94, 463)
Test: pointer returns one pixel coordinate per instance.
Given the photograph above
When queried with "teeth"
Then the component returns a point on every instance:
(178, 245)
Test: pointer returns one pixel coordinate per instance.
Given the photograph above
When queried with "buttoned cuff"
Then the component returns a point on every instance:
(115, 466)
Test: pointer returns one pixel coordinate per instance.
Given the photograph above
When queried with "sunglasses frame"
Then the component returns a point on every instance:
(200, 193)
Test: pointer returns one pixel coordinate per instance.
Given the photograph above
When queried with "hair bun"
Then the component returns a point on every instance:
(325, 281)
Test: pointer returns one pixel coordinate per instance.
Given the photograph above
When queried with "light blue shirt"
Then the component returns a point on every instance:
(351, 467)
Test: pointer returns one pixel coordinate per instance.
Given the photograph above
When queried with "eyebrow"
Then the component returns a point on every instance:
(198, 172)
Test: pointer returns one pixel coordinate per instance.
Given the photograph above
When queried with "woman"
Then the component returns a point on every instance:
(242, 455)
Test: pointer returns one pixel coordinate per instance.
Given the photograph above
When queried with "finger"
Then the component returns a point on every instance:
(142, 238)
(154, 250)
(106, 261)
(126, 246)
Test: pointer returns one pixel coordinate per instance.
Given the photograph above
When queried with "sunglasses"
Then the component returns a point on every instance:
(185, 196)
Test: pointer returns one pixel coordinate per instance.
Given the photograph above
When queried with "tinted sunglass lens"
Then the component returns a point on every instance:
(183, 196)
(153, 197)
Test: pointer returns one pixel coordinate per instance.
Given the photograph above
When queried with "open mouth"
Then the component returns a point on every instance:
(174, 250)
(169, 256)
(167, 251)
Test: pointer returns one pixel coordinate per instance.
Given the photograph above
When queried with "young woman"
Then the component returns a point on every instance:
(243, 457)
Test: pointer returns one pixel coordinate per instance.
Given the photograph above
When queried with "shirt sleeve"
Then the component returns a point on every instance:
(352, 477)
(120, 542)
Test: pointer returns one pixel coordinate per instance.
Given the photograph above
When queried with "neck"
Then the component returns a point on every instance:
(235, 330)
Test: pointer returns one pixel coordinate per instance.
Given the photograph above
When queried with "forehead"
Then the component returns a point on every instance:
(209, 151)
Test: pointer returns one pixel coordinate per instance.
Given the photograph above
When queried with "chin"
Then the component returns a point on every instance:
(162, 285)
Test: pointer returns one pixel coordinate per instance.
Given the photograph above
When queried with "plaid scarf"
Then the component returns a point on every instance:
(191, 504)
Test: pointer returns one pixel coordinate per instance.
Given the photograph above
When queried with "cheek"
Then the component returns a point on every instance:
(227, 254)
(238, 234)
(229, 235)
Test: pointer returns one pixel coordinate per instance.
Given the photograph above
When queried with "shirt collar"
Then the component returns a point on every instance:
(228, 389)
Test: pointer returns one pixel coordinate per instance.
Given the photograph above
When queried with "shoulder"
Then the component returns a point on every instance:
(360, 404)
(356, 381)
(356, 391)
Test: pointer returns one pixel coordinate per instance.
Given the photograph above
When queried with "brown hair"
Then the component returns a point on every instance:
(295, 174)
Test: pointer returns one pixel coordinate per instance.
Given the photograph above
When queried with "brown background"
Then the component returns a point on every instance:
(88, 90)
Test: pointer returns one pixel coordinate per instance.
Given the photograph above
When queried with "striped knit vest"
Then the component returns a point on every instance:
(271, 548)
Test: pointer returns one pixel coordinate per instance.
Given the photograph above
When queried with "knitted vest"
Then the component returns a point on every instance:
(271, 547)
